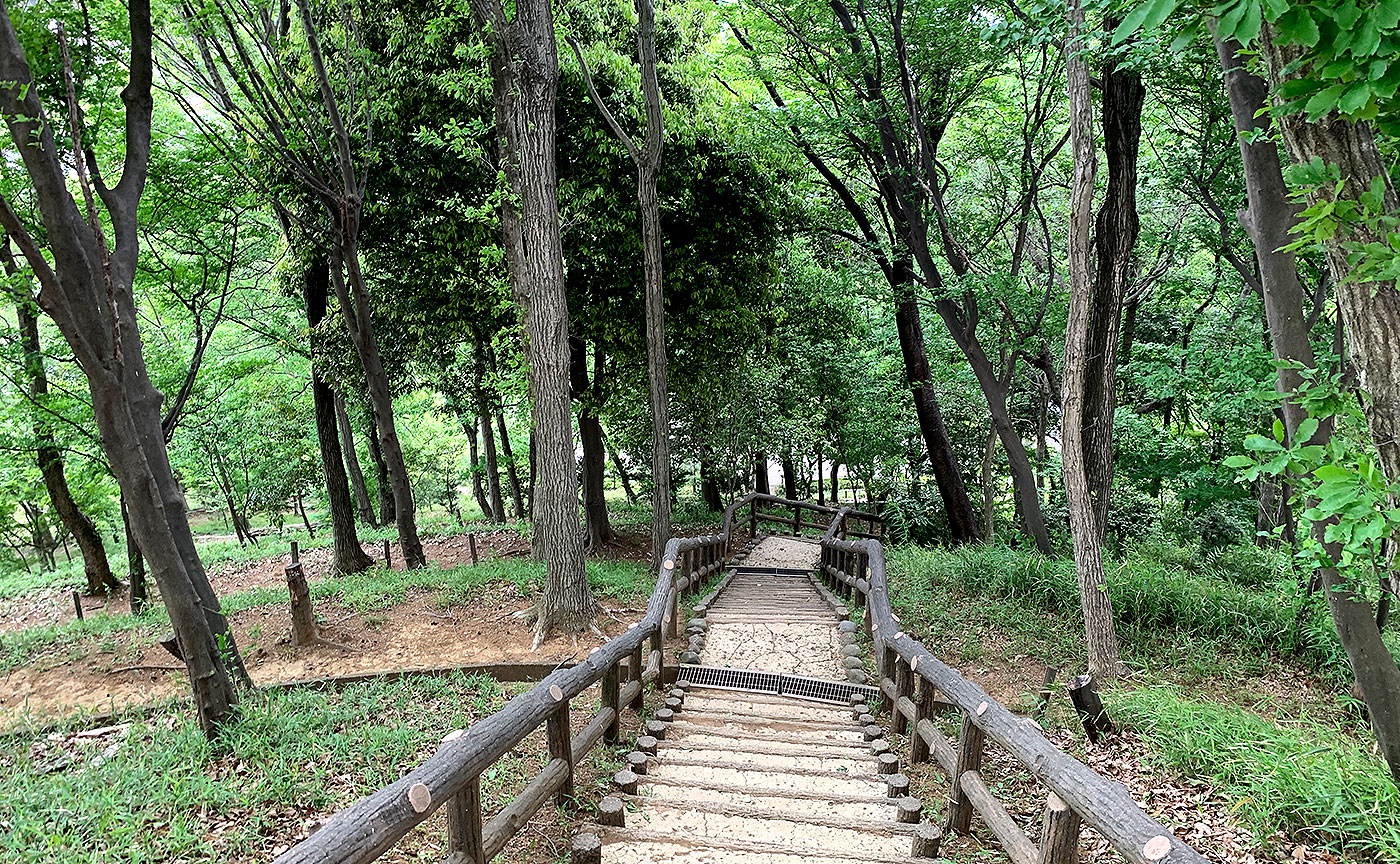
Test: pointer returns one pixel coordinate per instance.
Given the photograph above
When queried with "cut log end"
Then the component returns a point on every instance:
(927, 840)
(586, 849)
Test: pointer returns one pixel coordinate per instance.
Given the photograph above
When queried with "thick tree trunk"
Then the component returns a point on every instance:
(709, 487)
(354, 304)
(349, 556)
(525, 77)
(381, 474)
(484, 413)
(352, 463)
(835, 479)
(1370, 315)
(474, 454)
(96, 567)
(1115, 239)
(962, 523)
(1099, 631)
(789, 476)
(621, 468)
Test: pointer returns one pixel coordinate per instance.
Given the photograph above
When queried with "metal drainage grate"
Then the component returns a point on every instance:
(772, 571)
(776, 683)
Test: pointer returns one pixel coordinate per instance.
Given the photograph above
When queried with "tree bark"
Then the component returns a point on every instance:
(962, 523)
(96, 567)
(709, 486)
(517, 496)
(524, 68)
(88, 293)
(989, 488)
(760, 474)
(1099, 631)
(1370, 314)
(135, 566)
(1115, 239)
(352, 464)
(789, 475)
(349, 555)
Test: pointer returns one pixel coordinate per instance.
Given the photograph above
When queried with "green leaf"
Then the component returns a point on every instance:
(1261, 444)
(1324, 101)
(1229, 25)
(1279, 433)
(1306, 430)
(1237, 461)
(1297, 27)
(1146, 16)
(1249, 25)
(1275, 8)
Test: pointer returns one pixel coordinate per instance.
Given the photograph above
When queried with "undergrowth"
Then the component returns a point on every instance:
(1304, 775)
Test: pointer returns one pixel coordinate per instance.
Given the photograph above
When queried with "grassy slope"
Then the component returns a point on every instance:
(1210, 628)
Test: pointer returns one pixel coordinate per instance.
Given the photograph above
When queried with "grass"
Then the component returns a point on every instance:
(167, 794)
(1221, 629)
(1304, 775)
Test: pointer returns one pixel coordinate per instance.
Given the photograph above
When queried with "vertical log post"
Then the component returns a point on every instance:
(904, 687)
(1046, 690)
(78, 604)
(923, 705)
(638, 664)
(586, 849)
(1085, 696)
(659, 647)
(296, 552)
(388, 561)
(1059, 833)
(797, 520)
(753, 520)
(888, 660)
(560, 746)
(471, 547)
(464, 825)
(969, 759)
(610, 700)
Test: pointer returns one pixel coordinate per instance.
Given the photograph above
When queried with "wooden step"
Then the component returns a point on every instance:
(875, 819)
(644, 845)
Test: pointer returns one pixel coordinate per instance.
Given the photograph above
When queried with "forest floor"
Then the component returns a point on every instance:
(451, 614)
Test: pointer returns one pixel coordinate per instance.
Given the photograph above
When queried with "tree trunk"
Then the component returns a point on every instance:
(381, 474)
(349, 555)
(590, 433)
(789, 475)
(135, 566)
(352, 463)
(517, 497)
(709, 487)
(97, 569)
(1099, 632)
(989, 488)
(484, 413)
(821, 487)
(1115, 239)
(473, 453)
(835, 479)
(1370, 314)
(621, 470)
(354, 304)
(760, 474)
(525, 77)
(225, 484)
(962, 523)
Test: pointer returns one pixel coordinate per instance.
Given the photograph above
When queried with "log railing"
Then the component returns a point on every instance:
(451, 778)
(914, 684)
(798, 516)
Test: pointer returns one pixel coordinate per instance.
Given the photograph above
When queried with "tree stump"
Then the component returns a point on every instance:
(303, 616)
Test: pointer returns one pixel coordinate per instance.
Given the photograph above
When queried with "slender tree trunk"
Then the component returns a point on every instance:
(1099, 632)
(349, 555)
(478, 487)
(835, 479)
(97, 569)
(484, 414)
(821, 488)
(621, 470)
(524, 68)
(709, 486)
(354, 304)
(989, 488)
(1115, 239)
(760, 474)
(962, 523)
(135, 566)
(1369, 312)
(517, 496)
(352, 463)
(590, 433)
(789, 475)
(381, 474)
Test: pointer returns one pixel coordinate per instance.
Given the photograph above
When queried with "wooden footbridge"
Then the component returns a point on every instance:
(769, 742)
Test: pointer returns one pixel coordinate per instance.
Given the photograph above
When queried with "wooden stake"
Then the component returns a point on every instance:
(911, 810)
(471, 547)
(969, 759)
(561, 747)
(927, 838)
(78, 604)
(1085, 696)
(1046, 690)
(303, 616)
(464, 825)
(612, 812)
(1059, 833)
(586, 849)
(296, 552)
(388, 561)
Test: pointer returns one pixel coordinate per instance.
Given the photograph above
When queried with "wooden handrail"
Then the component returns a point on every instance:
(856, 570)
(367, 829)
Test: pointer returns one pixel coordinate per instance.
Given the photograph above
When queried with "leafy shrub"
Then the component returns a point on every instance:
(1305, 777)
